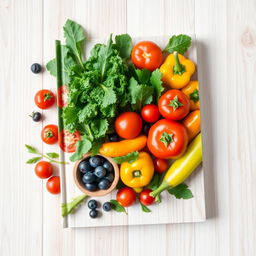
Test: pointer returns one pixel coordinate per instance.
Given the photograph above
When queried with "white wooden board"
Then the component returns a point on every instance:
(171, 210)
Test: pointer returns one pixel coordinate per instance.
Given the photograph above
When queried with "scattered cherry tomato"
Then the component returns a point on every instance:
(43, 169)
(49, 134)
(167, 139)
(53, 185)
(174, 105)
(145, 198)
(126, 196)
(147, 55)
(68, 140)
(150, 113)
(160, 165)
(128, 125)
(62, 94)
(44, 99)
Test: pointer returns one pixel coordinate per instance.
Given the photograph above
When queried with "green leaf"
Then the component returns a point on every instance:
(33, 160)
(123, 43)
(31, 149)
(143, 75)
(99, 128)
(109, 97)
(155, 182)
(67, 208)
(82, 147)
(175, 103)
(181, 191)
(117, 207)
(51, 66)
(131, 157)
(194, 96)
(144, 208)
(52, 155)
(179, 43)
(75, 36)
(120, 184)
(166, 138)
(156, 82)
(96, 146)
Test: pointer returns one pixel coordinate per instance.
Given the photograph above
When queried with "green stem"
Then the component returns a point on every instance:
(88, 129)
(50, 159)
(164, 185)
(178, 67)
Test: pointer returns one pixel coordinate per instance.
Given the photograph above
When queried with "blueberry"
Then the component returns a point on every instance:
(95, 161)
(93, 213)
(104, 184)
(107, 165)
(89, 177)
(91, 186)
(107, 206)
(36, 116)
(92, 204)
(100, 171)
(36, 68)
(146, 128)
(110, 177)
(84, 167)
(113, 137)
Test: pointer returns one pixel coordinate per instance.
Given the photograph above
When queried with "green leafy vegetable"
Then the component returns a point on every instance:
(142, 75)
(155, 182)
(181, 191)
(52, 67)
(70, 207)
(123, 45)
(156, 81)
(82, 146)
(131, 157)
(117, 207)
(179, 43)
(52, 155)
(144, 208)
(34, 160)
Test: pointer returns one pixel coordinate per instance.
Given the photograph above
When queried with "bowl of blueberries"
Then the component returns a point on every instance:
(96, 175)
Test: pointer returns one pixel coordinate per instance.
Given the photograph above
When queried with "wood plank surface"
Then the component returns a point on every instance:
(226, 31)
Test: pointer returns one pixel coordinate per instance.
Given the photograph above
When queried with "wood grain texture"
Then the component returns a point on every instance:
(227, 53)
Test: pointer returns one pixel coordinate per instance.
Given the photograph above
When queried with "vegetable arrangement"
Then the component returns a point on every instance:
(134, 103)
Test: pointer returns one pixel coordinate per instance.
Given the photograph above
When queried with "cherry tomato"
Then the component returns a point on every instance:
(150, 113)
(167, 139)
(53, 185)
(49, 134)
(147, 55)
(126, 196)
(43, 169)
(128, 125)
(160, 165)
(44, 99)
(145, 198)
(62, 96)
(174, 105)
(68, 140)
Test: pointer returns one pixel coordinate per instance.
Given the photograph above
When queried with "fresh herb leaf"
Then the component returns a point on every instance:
(166, 138)
(179, 43)
(52, 155)
(109, 96)
(181, 191)
(34, 160)
(99, 128)
(82, 147)
(144, 208)
(123, 45)
(51, 66)
(194, 96)
(117, 207)
(131, 157)
(155, 182)
(143, 75)
(156, 82)
(31, 149)
(67, 208)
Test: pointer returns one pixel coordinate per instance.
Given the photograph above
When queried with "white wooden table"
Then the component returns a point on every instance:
(226, 30)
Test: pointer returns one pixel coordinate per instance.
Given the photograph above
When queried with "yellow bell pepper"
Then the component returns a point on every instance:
(138, 173)
(177, 70)
(192, 91)
(182, 167)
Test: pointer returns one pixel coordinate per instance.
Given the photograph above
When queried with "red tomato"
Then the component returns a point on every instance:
(43, 169)
(53, 185)
(145, 198)
(174, 105)
(49, 134)
(128, 125)
(160, 165)
(126, 196)
(68, 140)
(44, 99)
(147, 55)
(167, 139)
(150, 113)
(62, 96)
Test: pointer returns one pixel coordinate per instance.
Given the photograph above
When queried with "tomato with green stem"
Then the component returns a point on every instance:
(44, 99)
(68, 140)
(49, 134)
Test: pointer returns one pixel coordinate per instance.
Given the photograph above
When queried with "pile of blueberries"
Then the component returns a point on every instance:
(93, 205)
(96, 173)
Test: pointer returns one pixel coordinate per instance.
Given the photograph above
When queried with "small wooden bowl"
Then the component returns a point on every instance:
(80, 184)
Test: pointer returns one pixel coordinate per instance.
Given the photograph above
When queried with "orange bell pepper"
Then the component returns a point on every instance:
(192, 124)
